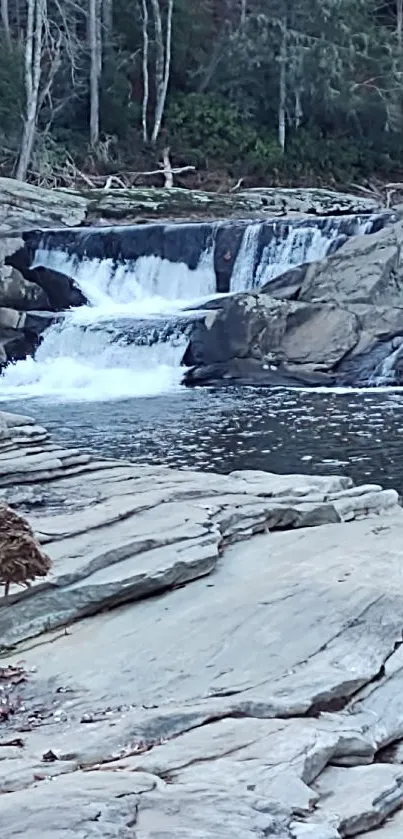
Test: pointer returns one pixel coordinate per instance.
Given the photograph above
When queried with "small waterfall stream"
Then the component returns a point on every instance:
(141, 284)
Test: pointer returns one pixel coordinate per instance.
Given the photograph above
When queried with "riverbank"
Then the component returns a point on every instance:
(24, 206)
(261, 676)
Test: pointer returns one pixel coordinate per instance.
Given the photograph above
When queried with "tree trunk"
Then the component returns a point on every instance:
(5, 19)
(107, 17)
(399, 24)
(146, 82)
(95, 39)
(36, 14)
(282, 87)
(298, 112)
(214, 62)
(162, 64)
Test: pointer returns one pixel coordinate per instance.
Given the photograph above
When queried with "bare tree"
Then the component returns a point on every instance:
(146, 81)
(162, 64)
(95, 44)
(36, 13)
(107, 16)
(51, 45)
(399, 24)
(5, 19)
(282, 85)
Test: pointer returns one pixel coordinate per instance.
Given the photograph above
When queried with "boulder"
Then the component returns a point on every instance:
(10, 241)
(19, 293)
(11, 319)
(20, 333)
(287, 286)
(16, 344)
(269, 341)
(319, 335)
(23, 206)
(58, 290)
(366, 269)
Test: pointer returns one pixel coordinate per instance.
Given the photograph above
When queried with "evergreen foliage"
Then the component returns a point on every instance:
(273, 91)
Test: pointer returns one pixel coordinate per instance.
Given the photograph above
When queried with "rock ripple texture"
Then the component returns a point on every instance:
(250, 684)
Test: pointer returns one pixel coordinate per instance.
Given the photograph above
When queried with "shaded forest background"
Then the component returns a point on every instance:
(270, 91)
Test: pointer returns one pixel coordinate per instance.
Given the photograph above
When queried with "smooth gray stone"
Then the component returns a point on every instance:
(249, 699)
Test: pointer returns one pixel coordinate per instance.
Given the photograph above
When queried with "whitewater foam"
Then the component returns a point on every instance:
(149, 284)
(92, 359)
(104, 351)
(86, 355)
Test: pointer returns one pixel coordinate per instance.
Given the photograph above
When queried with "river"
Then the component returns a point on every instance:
(107, 375)
(353, 433)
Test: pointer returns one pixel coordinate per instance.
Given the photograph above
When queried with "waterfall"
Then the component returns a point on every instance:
(291, 243)
(140, 285)
(85, 356)
(148, 284)
(384, 373)
(242, 278)
(128, 341)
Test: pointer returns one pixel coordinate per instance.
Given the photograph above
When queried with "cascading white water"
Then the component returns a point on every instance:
(290, 245)
(243, 271)
(148, 285)
(83, 357)
(384, 373)
(307, 244)
(118, 345)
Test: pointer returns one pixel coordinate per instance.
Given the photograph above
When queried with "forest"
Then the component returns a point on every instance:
(254, 91)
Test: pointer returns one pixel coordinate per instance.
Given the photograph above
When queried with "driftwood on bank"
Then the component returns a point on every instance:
(390, 190)
(21, 558)
(71, 176)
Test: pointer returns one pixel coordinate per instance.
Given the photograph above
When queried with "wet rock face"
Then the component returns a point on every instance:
(276, 339)
(335, 321)
(18, 293)
(367, 269)
(58, 290)
(227, 243)
(24, 305)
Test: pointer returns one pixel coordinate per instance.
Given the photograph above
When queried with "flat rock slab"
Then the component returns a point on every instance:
(76, 806)
(139, 532)
(300, 830)
(251, 703)
(357, 799)
(288, 620)
(392, 829)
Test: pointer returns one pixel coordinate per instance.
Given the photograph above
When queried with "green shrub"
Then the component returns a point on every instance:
(12, 94)
(205, 126)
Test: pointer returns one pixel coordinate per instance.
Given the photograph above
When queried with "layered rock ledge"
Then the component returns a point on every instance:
(23, 206)
(212, 656)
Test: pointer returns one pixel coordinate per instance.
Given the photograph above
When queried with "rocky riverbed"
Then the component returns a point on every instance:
(334, 320)
(211, 656)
